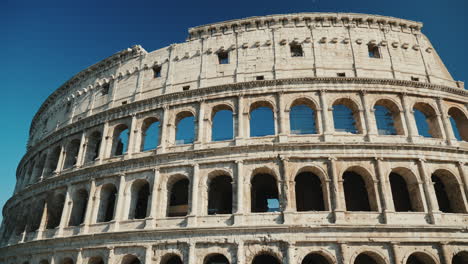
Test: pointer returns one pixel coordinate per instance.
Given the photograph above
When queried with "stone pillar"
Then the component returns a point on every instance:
(240, 120)
(89, 207)
(200, 137)
(79, 256)
(165, 129)
(110, 255)
(132, 132)
(65, 211)
(153, 200)
(81, 151)
(396, 253)
(429, 192)
(342, 257)
(192, 258)
(385, 190)
(463, 176)
(281, 117)
(369, 121)
(446, 252)
(148, 255)
(61, 159)
(43, 222)
(119, 203)
(327, 129)
(104, 142)
(449, 135)
(290, 258)
(240, 255)
(192, 220)
(336, 192)
(239, 192)
(408, 114)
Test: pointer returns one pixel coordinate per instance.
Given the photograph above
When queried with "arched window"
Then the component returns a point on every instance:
(67, 261)
(356, 195)
(309, 194)
(52, 161)
(220, 195)
(139, 203)
(39, 168)
(150, 134)
(346, 116)
(216, 259)
(71, 154)
(302, 120)
(120, 145)
(222, 126)
(37, 209)
(296, 50)
(459, 123)
(130, 259)
(43, 262)
(178, 198)
(265, 259)
(262, 121)
(405, 191)
(420, 258)
(54, 210)
(384, 119)
(314, 258)
(80, 200)
(171, 259)
(185, 129)
(460, 258)
(426, 121)
(96, 260)
(264, 194)
(107, 203)
(364, 258)
(93, 146)
(448, 193)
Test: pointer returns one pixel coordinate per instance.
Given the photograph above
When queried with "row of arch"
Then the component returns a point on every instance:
(366, 257)
(303, 119)
(312, 192)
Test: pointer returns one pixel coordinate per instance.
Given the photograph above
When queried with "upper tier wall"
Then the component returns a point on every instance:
(332, 43)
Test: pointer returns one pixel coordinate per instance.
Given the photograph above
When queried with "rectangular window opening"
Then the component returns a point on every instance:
(374, 51)
(223, 57)
(260, 78)
(124, 102)
(186, 88)
(296, 50)
(157, 71)
(341, 74)
(105, 89)
(415, 79)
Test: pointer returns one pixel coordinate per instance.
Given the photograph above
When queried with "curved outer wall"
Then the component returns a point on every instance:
(124, 90)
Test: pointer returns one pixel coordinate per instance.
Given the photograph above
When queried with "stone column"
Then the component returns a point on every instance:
(326, 121)
(192, 258)
(396, 252)
(369, 121)
(119, 203)
(61, 159)
(239, 192)
(282, 126)
(104, 143)
(132, 132)
(42, 224)
(165, 129)
(446, 252)
(200, 139)
(65, 211)
(290, 259)
(429, 192)
(89, 207)
(240, 255)
(110, 255)
(79, 256)
(408, 115)
(148, 255)
(81, 151)
(342, 257)
(449, 135)
(385, 191)
(336, 192)
(463, 176)
(240, 120)
(192, 220)
(153, 204)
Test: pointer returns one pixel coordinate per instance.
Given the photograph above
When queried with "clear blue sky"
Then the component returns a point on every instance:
(43, 43)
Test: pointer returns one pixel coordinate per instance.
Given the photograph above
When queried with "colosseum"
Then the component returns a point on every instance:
(310, 138)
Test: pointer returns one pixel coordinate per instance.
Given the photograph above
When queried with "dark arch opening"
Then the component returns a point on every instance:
(71, 155)
(93, 146)
(80, 200)
(54, 210)
(121, 137)
(96, 260)
(314, 258)
(309, 194)
(67, 261)
(400, 194)
(448, 193)
(173, 259)
(365, 259)
(107, 204)
(52, 161)
(302, 120)
(223, 125)
(262, 122)
(441, 195)
(265, 259)
(419, 258)
(131, 259)
(459, 123)
(37, 209)
(356, 196)
(220, 195)
(142, 195)
(216, 259)
(264, 194)
(178, 199)
(460, 258)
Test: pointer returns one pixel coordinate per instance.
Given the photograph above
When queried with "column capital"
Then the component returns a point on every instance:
(379, 158)
(239, 161)
(332, 158)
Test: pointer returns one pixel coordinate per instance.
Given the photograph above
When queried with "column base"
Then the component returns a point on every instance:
(387, 216)
(289, 217)
(238, 219)
(339, 217)
(436, 217)
(239, 141)
(149, 223)
(192, 220)
(282, 138)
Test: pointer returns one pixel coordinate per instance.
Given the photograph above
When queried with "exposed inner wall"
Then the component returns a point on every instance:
(332, 44)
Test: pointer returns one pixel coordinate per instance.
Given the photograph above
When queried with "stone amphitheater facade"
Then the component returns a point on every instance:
(79, 199)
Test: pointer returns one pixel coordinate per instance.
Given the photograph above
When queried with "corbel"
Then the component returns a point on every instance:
(416, 47)
(395, 44)
(209, 51)
(334, 40)
(257, 44)
(359, 41)
(323, 40)
(283, 42)
(307, 40)
(383, 43)
(346, 40)
(268, 43)
(405, 45)
(245, 45)
(372, 42)
(429, 50)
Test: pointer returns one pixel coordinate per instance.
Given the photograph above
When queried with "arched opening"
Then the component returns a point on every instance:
(384, 120)
(140, 196)
(400, 194)
(130, 259)
(356, 195)
(39, 168)
(37, 209)
(460, 258)
(426, 121)
(67, 261)
(54, 210)
(107, 203)
(420, 258)
(71, 154)
(265, 259)
(264, 194)
(80, 200)
(296, 50)
(171, 259)
(150, 134)
(302, 119)
(178, 198)
(120, 140)
(309, 194)
(220, 195)
(262, 122)
(222, 124)
(185, 128)
(314, 258)
(448, 192)
(93, 146)
(44, 261)
(459, 123)
(216, 259)
(346, 116)
(96, 260)
(364, 258)
(52, 161)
